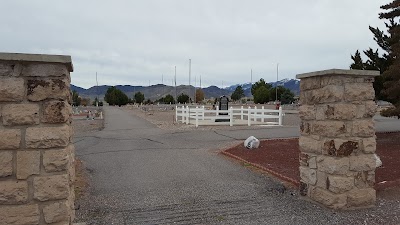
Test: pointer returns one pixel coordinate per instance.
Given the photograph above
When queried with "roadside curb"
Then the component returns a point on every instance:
(270, 171)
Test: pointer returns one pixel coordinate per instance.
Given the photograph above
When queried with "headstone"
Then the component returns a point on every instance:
(223, 105)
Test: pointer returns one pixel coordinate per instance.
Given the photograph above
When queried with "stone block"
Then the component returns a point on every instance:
(56, 112)
(366, 162)
(13, 192)
(41, 89)
(340, 147)
(303, 188)
(20, 215)
(308, 175)
(56, 160)
(305, 128)
(332, 80)
(364, 179)
(312, 162)
(340, 112)
(322, 180)
(47, 137)
(310, 145)
(358, 92)
(10, 139)
(329, 199)
(329, 128)
(11, 89)
(369, 145)
(45, 70)
(20, 114)
(307, 112)
(340, 184)
(365, 197)
(333, 165)
(28, 163)
(10, 69)
(56, 212)
(363, 128)
(310, 83)
(54, 187)
(327, 94)
(370, 109)
(303, 158)
(6, 163)
(320, 112)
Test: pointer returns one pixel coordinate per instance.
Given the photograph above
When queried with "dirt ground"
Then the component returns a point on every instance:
(281, 157)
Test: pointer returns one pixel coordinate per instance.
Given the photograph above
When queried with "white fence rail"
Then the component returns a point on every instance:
(203, 116)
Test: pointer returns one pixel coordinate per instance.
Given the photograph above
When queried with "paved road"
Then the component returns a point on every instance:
(143, 175)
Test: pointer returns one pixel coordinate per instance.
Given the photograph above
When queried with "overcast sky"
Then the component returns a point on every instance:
(137, 42)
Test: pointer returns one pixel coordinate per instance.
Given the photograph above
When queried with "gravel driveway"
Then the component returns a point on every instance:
(141, 174)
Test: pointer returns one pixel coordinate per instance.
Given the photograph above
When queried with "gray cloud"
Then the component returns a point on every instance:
(132, 42)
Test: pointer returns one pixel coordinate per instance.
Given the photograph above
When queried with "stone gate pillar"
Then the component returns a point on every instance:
(36, 154)
(337, 142)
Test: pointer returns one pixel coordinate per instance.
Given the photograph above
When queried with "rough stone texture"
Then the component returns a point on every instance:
(36, 161)
(308, 144)
(364, 162)
(363, 128)
(20, 114)
(332, 165)
(361, 197)
(358, 92)
(10, 139)
(56, 212)
(45, 70)
(307, 112)
(56, 112)
(41, 89)
(369, 145)
(56, 160)
(47, 137)
(54, 187)
(308, 175)
(340, 111)
(28, 163)
(329, 128)
(6, 163)
(328, 198)
(12, 89)
(20, 215)
(340, 184)
(13, 192)
(337, 138)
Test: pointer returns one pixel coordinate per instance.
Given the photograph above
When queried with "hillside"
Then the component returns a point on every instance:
(157, 91)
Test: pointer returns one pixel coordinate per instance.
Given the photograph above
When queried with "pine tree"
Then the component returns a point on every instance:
(237, 94)
(358, 63)
(392, 74)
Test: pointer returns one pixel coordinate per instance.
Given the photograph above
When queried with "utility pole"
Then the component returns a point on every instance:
(97, 91)
(190, 74)
(195, 89)
(251, 76)
(176, 100)
(276, 85)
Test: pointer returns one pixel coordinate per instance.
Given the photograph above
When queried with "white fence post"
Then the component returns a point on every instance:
(217, 108)
(241, 112)
(231, 116)
(262, 114)
(249, 116)
(183, 114)
(202, 113)
(280, 116)
(176, 113)
(187, 114)
(255, 113)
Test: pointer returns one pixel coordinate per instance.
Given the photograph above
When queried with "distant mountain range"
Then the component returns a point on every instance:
(157, 91)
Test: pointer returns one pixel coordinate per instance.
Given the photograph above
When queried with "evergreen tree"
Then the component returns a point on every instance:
(258, 84)
(237, 94)
(285, 96)
(261, 95)
(114, 96)
(169, 99)
(139, 97)
(358, 63)
(76, 100)
(183, 98)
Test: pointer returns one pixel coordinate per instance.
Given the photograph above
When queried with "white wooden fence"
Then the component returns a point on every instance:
(203, 116)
